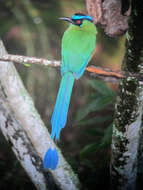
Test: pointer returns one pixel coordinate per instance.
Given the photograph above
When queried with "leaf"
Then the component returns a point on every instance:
(88, 149)
(107, 136)
(27, 65)
(95, 105)
(95, 120)
(85, 111)
(94, 95)
(96, 131)
(88, 163)
(93, 147)
(101, 87)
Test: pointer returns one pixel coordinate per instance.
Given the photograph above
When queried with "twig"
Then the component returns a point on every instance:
(105, 73)
(98, 71)
(31, 60)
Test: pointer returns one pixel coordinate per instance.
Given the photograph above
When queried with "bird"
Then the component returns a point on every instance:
(78, 46)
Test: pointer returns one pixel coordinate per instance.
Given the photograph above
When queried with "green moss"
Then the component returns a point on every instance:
(120, 143)
(127, 103)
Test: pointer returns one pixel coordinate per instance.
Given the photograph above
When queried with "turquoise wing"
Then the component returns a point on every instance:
(77, 47)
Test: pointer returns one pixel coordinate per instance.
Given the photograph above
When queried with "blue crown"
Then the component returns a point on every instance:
(79, 16)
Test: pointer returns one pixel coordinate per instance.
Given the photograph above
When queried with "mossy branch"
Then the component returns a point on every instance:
(127, 134)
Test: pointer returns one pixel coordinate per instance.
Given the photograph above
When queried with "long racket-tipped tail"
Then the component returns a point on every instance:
(59, 116)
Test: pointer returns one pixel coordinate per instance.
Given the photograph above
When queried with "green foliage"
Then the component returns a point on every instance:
(93, 147)
(88, 149)
(91, 121)
(103, 98)
(100, 87)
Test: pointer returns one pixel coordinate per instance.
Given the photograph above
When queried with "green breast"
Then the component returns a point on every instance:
(78, 43)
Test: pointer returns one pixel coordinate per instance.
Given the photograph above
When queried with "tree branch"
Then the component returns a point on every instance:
(21, 145)
(36, 132)
(126, 160)
(93, 70)
(105, 73)
(30, 60)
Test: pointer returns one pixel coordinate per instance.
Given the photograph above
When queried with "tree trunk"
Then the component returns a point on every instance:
(128, 109)
(23, 127)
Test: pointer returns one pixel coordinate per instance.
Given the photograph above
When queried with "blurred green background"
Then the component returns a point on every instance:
(32, 28)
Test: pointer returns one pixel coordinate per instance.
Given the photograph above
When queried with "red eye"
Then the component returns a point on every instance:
(78, 22)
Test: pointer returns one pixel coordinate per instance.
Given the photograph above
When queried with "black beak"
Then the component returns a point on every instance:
(67, 19)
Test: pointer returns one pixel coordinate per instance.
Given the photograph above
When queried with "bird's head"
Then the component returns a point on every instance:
(77, 19)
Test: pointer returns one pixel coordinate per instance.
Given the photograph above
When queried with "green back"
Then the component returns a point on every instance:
(78, 44)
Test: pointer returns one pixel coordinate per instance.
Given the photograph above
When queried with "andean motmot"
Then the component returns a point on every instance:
(78, 45)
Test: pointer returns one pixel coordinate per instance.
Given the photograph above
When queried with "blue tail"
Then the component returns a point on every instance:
(50, 159)
(59, 116)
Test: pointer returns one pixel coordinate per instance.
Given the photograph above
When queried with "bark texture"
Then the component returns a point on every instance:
(112, 15)
(140, 160)
(20, 144)
(128, 109)
(23, 127)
